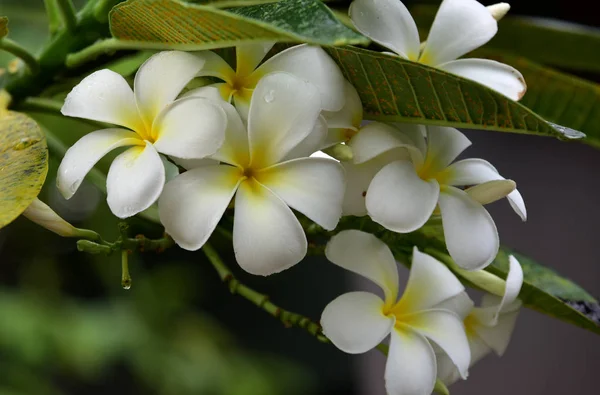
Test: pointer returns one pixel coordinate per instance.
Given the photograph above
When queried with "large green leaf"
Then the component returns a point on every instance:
(550, 41)
(398, 90)
(559, 97)
(23, 164)
(173, 24)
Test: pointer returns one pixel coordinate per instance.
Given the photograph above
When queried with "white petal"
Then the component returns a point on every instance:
(376, 139)
(216, 92)
(399, 199)
(354, 322)
(134, 181)
(470, 232)
(104, 96)
(447, 331)
(215, 66)
(267, 237)
(509, 301)
(430, 282)
(311, 143)
(190, 128)
(447, 372)
(249, 56)
(358, 179)
(478, 349)
(443, 146)
(311, 64)
(83, 155)
(351, 115)
(410, 368)
(193, 203)
(171, 169)
(235, 148)
(160, 80)
(498, 76)
(518, 204)
(460, 304)
(365, 254)
(491, 191)
(283, 112)
(460, 26)
(313, 186)
(242, 99)
(416, 135)
(497, 337)
(387, 22)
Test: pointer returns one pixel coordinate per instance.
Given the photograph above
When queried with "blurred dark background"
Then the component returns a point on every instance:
(67, 327)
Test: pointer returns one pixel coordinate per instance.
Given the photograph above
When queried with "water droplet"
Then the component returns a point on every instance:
(269, 97)
(25, 142)
(74, 186)
(126, 283)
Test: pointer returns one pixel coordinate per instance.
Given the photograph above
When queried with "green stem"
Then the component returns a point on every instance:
(41, 104)
(103, 47)
(53, 16)
(67, 13)
(261, 300)
(14, 48)
(125, 277)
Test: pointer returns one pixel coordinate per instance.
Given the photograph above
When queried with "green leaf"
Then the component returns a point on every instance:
(3, 26)
(23, 164)
(550, 41)
(398, 90)
(559, 97)
(173, 24)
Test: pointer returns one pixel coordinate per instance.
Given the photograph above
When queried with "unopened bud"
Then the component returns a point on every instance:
(491, 191)
(341, 152)
(40, 213)
(498, 10)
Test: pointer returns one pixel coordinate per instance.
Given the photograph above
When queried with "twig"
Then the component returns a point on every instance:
(261, 300)
(67, 13)
(16, 49)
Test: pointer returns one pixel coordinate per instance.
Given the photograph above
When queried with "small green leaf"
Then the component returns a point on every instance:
(557, 96)
(3, 26)
(173, 24)
(23, 164)
(398, 90)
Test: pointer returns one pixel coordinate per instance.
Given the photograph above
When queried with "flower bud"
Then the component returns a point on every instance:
(40, 213)
(499, 10)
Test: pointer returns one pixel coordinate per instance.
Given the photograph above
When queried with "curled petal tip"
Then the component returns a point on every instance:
(499, 10)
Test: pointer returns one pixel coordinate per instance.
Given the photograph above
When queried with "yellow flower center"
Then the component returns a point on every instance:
(430, 171)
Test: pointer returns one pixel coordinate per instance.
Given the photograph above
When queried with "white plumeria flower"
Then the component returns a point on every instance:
(155, 121)
(356, 322)
(488, 327)
(404, 194)
(460, 26)
(309, 63)
(267, 169)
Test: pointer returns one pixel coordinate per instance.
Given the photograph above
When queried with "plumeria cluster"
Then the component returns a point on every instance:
(252, 142)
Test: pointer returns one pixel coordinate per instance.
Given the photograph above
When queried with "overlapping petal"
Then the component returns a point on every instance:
(86, 152)
(313, 186)
(311, 143)
(387, 22)
(215, 66)
(283, 112)
(249, 56)
(498, 336)
(443, 146)
(134, 181)
(470, 232)
(351, 115)
(378, 138)
(365, 254)
(104, 96)
(459, 27)
(399, 199)
(311, 64)
(192, 204)
(460, 304)
(355, 322)
(267, 237)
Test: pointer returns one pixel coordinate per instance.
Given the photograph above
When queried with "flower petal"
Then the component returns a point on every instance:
(190, 128)
(234, 150)
(216, 92)
(160, 80)
(355, 323)
(410, 368)
(443, 146)
(86, 152)
(460, 304)
(447, 372)
(446, 329)
(313, 186)
(242, 99)
(350, 116)
(491, 191)
(489, 314)
(249, 56)
(191, 205)
(215, 66)
(415, 134)
(378, 138)
(267, 237)
(430, 283)
(364, 254)
(460, 26)
(518, 204)
(399, 199)
(311, 64)
(104, 96)
(387, 22)
(498, 76)
(498, 336)
(134, 181)
(311, 143)
(283, 112)
(470, 232)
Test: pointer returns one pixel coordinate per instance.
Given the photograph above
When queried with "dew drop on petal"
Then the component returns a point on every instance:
(269, 97)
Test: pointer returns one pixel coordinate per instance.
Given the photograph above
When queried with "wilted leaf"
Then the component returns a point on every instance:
(23, 164)
(398, 90)
(173, 24)
(3, 26)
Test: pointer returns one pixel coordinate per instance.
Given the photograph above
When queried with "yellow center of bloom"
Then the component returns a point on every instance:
(429, 170)
(470, 323)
